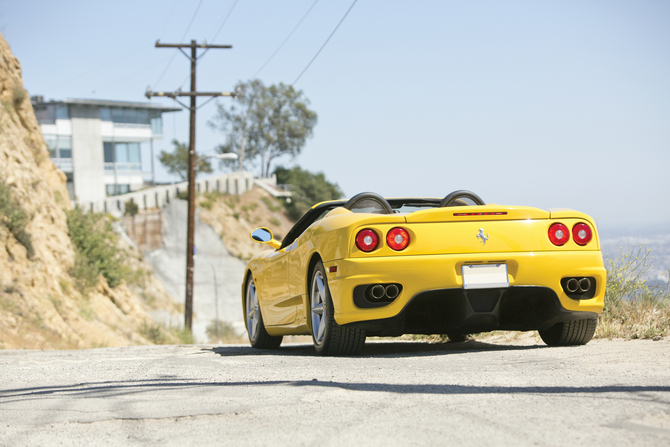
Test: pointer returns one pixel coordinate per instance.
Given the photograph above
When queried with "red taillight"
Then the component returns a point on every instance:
(558, 234)
(366, 240)
(581, 234)
(397, 238)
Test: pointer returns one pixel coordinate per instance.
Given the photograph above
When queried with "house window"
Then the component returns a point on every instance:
(60, 151)
(113, 190)
(59, 146)
(109, 152)
(62, 112)
(156, 123)
(65, 147)
(122, 156)
(117, 115)
(105, 114)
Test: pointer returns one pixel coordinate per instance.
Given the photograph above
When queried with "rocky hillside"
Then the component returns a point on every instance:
(42, 302)
(235, 217)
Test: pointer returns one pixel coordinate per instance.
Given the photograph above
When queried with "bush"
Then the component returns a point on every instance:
(634, 308)
(308, 189)
(97, 252)
(131, 208)
(15, 218)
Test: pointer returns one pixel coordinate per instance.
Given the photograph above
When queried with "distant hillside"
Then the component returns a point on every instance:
(656, 239)
(52, 296)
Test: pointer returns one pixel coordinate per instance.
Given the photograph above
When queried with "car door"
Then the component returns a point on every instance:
(273, 291)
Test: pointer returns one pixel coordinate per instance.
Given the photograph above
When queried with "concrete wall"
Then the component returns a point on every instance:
(157, 196)
(87, 154)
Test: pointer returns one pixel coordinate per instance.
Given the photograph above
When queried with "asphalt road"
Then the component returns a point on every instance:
(610, 393)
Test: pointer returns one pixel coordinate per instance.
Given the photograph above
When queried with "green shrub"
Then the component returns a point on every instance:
(18, 95)
(131, 208)
(308, 189)
(15, 218)
(274, 221)
(96, 247)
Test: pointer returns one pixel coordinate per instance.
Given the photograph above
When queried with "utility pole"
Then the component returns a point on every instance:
(193, 94)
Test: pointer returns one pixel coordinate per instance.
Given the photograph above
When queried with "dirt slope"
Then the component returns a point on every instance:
(235, 217)
(39, 305)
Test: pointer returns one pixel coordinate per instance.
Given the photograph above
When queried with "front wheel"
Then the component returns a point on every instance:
(258, 336)
(570, 333)
(329, 337)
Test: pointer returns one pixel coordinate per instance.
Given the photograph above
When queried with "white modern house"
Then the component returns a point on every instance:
(99, 144)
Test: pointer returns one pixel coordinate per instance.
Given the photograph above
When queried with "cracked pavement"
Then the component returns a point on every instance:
(614, 393)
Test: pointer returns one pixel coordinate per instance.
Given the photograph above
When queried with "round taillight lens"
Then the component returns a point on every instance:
(558, 234)
(582, 234)
(397, 238)
(367, 240)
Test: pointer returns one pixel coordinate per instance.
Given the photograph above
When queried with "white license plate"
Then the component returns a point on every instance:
(485, 276)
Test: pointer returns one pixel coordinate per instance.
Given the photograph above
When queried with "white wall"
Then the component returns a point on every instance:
(87, 154)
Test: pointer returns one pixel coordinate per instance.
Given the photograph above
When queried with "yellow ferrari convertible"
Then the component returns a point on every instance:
(387, 267)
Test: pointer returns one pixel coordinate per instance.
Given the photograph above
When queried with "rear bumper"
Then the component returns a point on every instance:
(434, 282)
(465, 312)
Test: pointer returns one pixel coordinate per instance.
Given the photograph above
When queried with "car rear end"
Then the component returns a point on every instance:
(468, 269)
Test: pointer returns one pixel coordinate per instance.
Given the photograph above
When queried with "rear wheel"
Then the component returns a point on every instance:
(570, 333)
(329, 337)
(258, 336)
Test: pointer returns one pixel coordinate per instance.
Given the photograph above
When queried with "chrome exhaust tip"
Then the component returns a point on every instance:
(377, 292)
(572, 285)
(584, 285)
(392, 291)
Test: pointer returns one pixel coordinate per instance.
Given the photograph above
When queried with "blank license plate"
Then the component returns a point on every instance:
(485, 276)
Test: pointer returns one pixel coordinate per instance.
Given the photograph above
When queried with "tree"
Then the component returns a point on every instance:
(264, 122)
(308, 188)
(176, 162)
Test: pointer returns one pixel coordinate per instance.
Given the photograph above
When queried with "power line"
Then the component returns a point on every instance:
(230, 11)
(112, 62)
(225, 19)
(182, 38)
(325, 43)
(286, 40)
(192, 19)
(129, 76)
(167, 21)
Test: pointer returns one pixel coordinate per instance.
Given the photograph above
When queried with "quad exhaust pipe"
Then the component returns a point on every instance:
(578, 285)
(384, 291)
(584, 285)
(392, 291)
(572, 285)
(378, 292)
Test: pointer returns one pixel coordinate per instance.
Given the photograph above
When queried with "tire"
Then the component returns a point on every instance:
(258, 336)
(329, 337)
(570, 333)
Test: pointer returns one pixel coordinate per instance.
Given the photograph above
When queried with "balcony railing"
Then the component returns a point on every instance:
(64, 164)
(125, 167)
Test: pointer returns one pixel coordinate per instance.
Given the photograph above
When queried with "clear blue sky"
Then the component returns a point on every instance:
(548, 104)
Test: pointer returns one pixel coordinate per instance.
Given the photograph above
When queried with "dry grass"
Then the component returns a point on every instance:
(635, 319)
(633, 308)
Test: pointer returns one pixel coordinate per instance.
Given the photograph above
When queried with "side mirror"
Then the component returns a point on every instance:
(264, 235)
